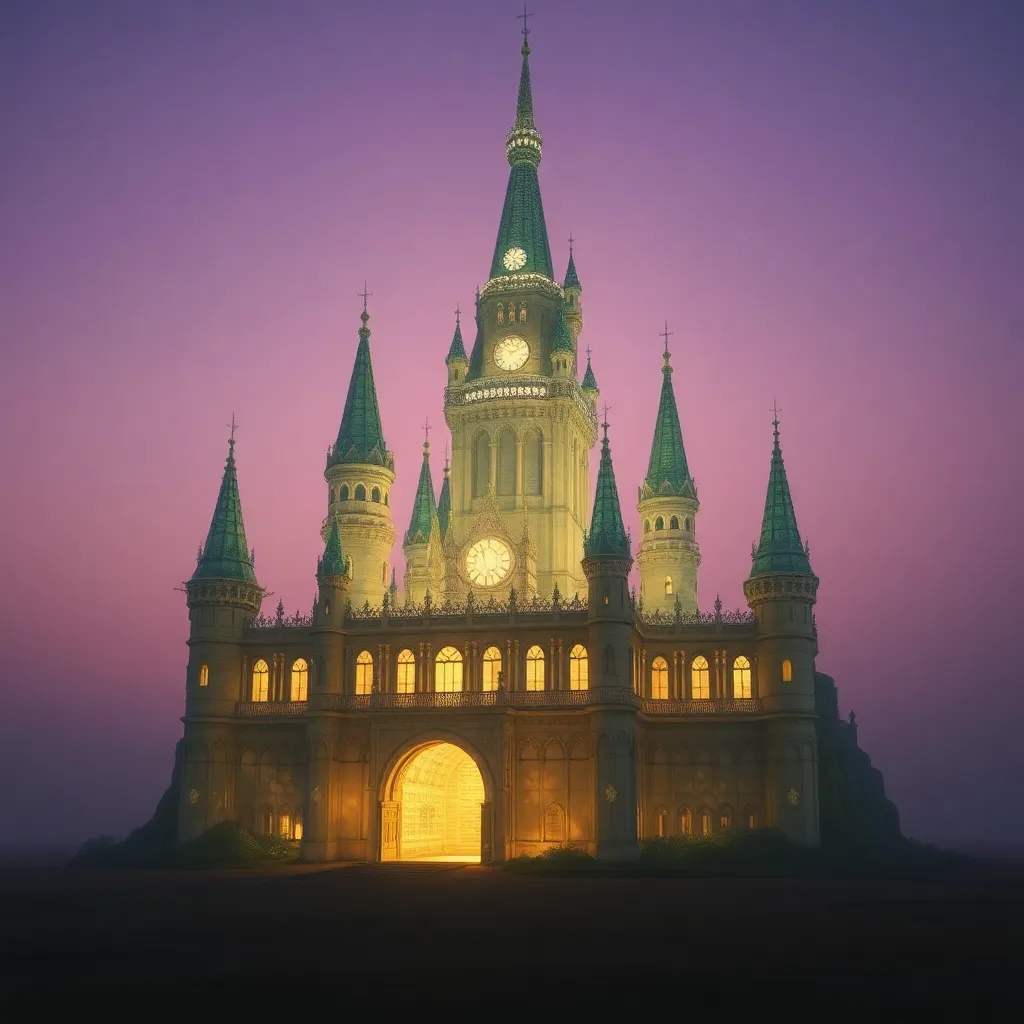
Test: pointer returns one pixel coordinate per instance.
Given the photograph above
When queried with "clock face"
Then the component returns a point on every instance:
(511, 352)
(488, 562)
(514, 259)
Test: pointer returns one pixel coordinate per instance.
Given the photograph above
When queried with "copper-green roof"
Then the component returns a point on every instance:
(360, 437)
(333, 563)
(589, 380)
(779, 549)
(444, 502)
(607, 535)
(571, 277)
(476, 357)
(226, 555)
(667, 471)
(424, 507)
(457, 349)
(563, 336)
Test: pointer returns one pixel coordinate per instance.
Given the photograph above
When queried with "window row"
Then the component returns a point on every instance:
(673, 524)
(510, 476)
(284, 823)
(512, 313)
(706, 821)
(298, 680)
(700, 678)
(343, 493)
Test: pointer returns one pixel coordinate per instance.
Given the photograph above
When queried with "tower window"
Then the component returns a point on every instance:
(364, 672)
(522, 313)
(659, 679)
(725, 816)
(204, 675)
(578, 670)
(535, 668)
(332, 496)
(385, 497)
(448, 671)
(700, 678)
(668, 586)
(260, 680)
(406, 672)
(375, 494)
(659, 523)
(481, 464)
(511, 312)
(343, 493)
(741, 678)
(300, 679)
(533, 459)
(501, 313)
(360, 493)
(647, 526)
(787, 670)
(492, 668)
(686, 524)
(685, 822)
(705, 823)
(507, 463)
(673, 523)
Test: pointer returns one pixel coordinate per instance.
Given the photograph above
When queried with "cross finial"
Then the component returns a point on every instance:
(458, 312)
(364, 295)
(446, 455)
(666, 334)
(234, 426)
(523, 17)
(426, 431)
(571, 242)
(606, 409)
(775, 419)
(588, 353)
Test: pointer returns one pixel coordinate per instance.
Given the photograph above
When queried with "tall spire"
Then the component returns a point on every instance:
(607, 535)
(589, 380)
(780, 549)
(572, 279)
(563, 336)
(333, 562)
(360, 437)
(522, 245)
(457, 349)
(444, 502)
(424, 507)
(226, 555)
(476, 357)
(667, 470)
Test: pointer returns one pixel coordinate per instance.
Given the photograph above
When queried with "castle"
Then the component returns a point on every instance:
(513, 694)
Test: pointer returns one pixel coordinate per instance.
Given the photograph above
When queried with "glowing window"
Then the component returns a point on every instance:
(501, 313)
(492, 668)
(751, 819)
(343, 493)
(375, 494)
(787, 670)
(700, 678)
(364, 672)
(705, 823)
(284, 825)
(685, 822)
(535, 668)
(448, 670)
(297, 829)
(659, 523)
(406, 672)
(673, 523)
(725, 817)
(300, 679)
(578, 669)
(661, 824)
(659, 679)
(741, 678)
(204, 675)
(522, 313)
(360, 494)
(647, 526)
(260, 680)
(668, 586)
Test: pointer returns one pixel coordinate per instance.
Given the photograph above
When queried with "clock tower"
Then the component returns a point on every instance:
(522, 430)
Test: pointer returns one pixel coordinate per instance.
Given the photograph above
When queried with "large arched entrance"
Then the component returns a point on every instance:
(434, 806)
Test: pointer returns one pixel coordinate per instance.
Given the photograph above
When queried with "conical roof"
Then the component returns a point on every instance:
(226, 555)
(589, 380)
(607, 534)
(476, 357)
(360, 437)
(571, 277)
(563, 336)
(333, 563)
(779, 549)
(457, 349)
(444, 502)
(667, 470)
(424, 507)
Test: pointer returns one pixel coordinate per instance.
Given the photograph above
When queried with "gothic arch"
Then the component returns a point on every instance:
(392, 771)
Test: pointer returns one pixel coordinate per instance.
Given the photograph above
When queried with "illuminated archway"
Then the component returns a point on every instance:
(433, 807)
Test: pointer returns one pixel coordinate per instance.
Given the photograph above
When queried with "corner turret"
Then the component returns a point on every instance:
(589, 386)
(456, 360)
(572, 291)
(563, 352)
(424, 560)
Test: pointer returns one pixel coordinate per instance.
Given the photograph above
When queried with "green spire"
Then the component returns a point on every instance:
(779, 549)
(563, 336)
(476, 357)
(571, 277)
(424, 508)
(589, 380)
(522, 217)
(667, 471)
(333, 563)
(360, 437)
(607, 535)
(444, 502)
(457, 349)
(226, 555)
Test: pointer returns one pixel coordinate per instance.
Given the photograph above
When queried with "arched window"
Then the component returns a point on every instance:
(360, 494)
(375, 494)
(700, 678)
(659, 523)
(686, 525)
(406, 672)
(705, 822)
(297, 827)
(750, 818)
(492, 668)
(260, 680)
(300, 679)
(332, 495)
(741, 678)
(364, 672)
(535, 668)
(267, 822)
(668, 586)
(673, 523)
(284, 823)
(661, 824)
(448, 671)
(204, 675)
(647, 526)
(511, 312)
(343, 493)
(578, 668)
(659, 679)
(787, 671)
(507, 463)
(533, 462)
(501, 313)
(522, 313)
(725, 816)
(481, 464)
(685, 822)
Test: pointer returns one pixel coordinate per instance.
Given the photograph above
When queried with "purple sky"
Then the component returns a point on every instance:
(825, 201)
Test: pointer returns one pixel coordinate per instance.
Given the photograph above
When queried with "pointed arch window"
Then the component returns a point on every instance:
(343, 493)
(705, 822)
(260, 680)
(661, 824)
(741, 678)
(360, 494)
(787, 671)
(659, 679)
(406, 672)
(659, 523)
(448, 670)
(481, 464)
(267, 821)
(501, 313)
(700, 678)
(673, 523)
(511, 312)
(686, 525)
(647, 526)
(668, 586)
(332, 496)
(507, 463)
(522, 313)
(750, 818)
(535, 668)
(533, 461)
(685, 821)
(364, 672)
(492, 668)
(300, 679)
(375, 494)
(725, 816)
(204, 675)
(284, 823)
(578, 668)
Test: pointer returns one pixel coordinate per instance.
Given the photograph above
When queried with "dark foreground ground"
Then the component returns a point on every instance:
(494, 944)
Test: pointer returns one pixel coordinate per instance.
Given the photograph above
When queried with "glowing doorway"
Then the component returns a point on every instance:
(439, 794)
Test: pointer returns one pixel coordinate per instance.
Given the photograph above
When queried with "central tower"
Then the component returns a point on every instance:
(522, 429)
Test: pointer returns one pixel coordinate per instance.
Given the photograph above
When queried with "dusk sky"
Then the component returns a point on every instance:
(825, 200)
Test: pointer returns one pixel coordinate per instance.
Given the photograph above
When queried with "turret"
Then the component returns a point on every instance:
(572, 290)
(563, 352)
(444, 500)
(667, 502)
(589, 386)
(360, 472)
(456, 361)
(424, 560)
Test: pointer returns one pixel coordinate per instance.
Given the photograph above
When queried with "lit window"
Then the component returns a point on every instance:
(522, 313)
(260, 680)
(751, 819)
(406, 672)
(297, 829)
(668, 586)
(375, 494)
(685, 822)
(204, 675)
(661, 824)
(673, 523)
(659, 523)
(535, 669)
(725, 817)
(700, 677)
(578, 670)
(492, 668)
(659, 679)
(284, 825)
(360, 494)
(300, 679)
(787, 670)
(741, 678)
(448, 671)
(364, 672)
(705, 823)
(343, 493)
(501, 313)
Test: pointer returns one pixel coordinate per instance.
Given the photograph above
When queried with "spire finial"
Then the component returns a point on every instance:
(446, 458)
(666, 334)
(588, 354)
(604, 425)
(775, 421)
(526, 31)
(572, 241)
(426, 436)
(458, 313)
(231, 440)
(364, 295)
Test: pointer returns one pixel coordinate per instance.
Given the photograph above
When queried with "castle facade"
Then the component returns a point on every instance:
(513, 694)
